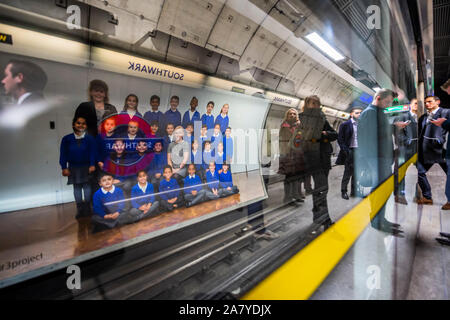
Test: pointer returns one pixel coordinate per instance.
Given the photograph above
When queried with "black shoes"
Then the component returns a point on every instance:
(444, 241)
(446, 235)
(344, 195)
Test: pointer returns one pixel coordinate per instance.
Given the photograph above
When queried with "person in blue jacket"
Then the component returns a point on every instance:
(169, 191)
(208, 154)
(212, 180)
(193, 189)
(197, 159)
(208, 117)
(109, 206)
(77, 159)
(226, 182)
(143, 201)
(222, 119)
(219, 157)
(192, 114)
(172, 115)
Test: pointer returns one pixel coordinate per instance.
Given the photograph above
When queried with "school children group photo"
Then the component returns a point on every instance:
(125, 166)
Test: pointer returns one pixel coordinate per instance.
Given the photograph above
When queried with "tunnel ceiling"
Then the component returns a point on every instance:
(256, 42)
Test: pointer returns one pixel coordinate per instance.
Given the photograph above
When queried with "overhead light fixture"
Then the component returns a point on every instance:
(376, 89)
(320, 43)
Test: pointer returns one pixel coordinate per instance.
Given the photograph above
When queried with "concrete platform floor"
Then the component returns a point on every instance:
(411, 266)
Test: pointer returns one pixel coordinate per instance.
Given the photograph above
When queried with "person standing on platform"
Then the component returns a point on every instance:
(191, 115)
(431, 146)
(375, 154)
(406, 140)
(222, 119)
(173, 115)
(316, 134)
(348, 142)
(444, 123)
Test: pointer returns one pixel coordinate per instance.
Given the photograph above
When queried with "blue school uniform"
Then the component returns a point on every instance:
(100, 200)
(137, 195)
(208, 120)
(214, 138)
(226, 180)
(157, 164)
(212, 180)
(132, 118)
(173, 117)
(223, 121)
(228, 148)
(192, 184)
(207, 158)
(77, 152)
(219, 160)
(197, 159)
(187, 120)
(152, 116)
(165, 185)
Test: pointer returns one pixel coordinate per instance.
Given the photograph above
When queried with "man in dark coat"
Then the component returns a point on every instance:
(406, 140)
(431, 146)
(348, 142)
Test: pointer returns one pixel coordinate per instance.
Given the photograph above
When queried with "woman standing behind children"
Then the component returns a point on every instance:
(77, 160)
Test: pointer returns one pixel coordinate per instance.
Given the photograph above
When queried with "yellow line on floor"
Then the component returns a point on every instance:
(301, 275)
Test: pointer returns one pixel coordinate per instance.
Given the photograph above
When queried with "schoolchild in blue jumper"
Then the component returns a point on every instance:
(109, 206)
(222, 119)
(219, 157)
(168, 137)
(154, 114)
(154, 125)
(173, 115)
(228, 145)
(119, 157)
(141, 151)
(216, 137)
(189, 133)
(169, 191)
(143, 201)
(203, 135)
(226, 182)
(193, 189)
(212, 180)
(192, 114)
(208, 155)
(157, 165)
(77, 159)
(131, 106)
(197, 159)
(208, 117)
(109, 126)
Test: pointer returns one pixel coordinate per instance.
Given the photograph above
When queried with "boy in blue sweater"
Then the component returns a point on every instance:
(208, 117)
(228, 145)
(208, 155)
(212, 180)
(173, 115)
(193, 189)
(143, 201)
(169, 191)
(154, 114)
(226, 182)
(197, 159)
(77, 159)
(191, 115)
(109, 206)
